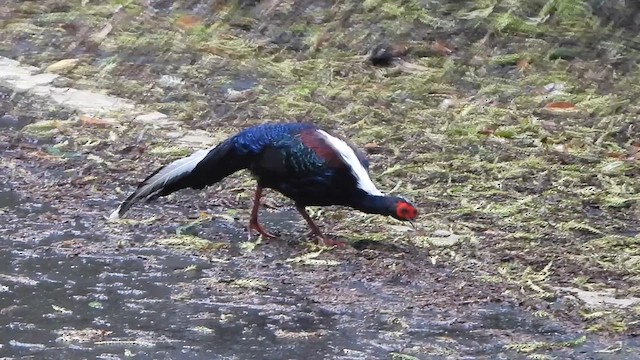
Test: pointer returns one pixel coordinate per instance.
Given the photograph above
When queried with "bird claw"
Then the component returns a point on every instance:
(254, 225)
(327, 242)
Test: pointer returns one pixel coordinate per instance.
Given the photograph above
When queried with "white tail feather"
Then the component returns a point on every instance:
(115, 215)
(176, 169)
(351, 159)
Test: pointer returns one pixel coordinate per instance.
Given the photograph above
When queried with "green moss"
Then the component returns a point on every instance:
(172, 151)
(22, 28)
(45, 128)
(536, 346)
(507, 59)
(189, 244)
(401, 356)
(134, 41)
(253, 284)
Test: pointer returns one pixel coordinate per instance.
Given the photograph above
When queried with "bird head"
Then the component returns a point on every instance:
(402, 209)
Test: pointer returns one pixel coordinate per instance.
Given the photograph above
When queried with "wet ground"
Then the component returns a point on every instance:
(513, 127)
(63, 295)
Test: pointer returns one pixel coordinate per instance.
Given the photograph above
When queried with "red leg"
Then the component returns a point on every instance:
(253, 222)
(316, 231)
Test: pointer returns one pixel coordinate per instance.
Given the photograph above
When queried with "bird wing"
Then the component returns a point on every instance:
(339, 153)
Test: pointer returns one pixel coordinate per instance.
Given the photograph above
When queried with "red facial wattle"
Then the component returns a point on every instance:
(406, 211)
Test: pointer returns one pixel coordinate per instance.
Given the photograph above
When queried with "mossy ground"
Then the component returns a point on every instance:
(512, 124)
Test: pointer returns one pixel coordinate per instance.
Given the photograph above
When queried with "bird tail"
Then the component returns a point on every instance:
(200, 169)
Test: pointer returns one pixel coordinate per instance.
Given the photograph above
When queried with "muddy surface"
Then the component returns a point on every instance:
(513, 126)
(76, 290)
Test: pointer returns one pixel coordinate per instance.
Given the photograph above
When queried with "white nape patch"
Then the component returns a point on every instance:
(351, 159)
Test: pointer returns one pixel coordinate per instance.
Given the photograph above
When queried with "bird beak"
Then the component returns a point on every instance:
(413, 225)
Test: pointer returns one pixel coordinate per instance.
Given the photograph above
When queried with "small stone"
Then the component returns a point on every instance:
(441, 233)
(385, 54)
(282, 38)
(155, 118)
(196, 140)
(33, 81)
(150, 117)
(65, 64)
(445, 240)
(86, 101)
(238, 95)
(604, 298)
(447, 103)
(200, 138)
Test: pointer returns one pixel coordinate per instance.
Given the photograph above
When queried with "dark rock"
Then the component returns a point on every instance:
(385, 54)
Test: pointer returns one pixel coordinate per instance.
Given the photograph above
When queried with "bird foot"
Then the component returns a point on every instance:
(254, 225)
(325, 241)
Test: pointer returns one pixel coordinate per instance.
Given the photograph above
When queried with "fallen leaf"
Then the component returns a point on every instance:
(617, 155)
(85, 180)
(372, 148)
(633, 152)
(91, 121)
(62, 65)
(486, 131)
(560, 106)
(442, 49)
(523, 64)
(186, 22)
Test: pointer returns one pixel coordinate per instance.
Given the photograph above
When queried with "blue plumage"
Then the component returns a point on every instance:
(300, 160)
(254, 139)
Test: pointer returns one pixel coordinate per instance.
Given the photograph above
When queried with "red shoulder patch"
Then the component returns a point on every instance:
(315, 142)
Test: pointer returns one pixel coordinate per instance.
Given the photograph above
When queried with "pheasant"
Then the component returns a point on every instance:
(300, 160)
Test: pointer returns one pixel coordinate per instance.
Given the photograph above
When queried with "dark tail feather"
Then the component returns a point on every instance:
(200, 169)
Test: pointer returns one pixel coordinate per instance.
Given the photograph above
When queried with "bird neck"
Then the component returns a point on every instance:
(371, 204)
